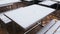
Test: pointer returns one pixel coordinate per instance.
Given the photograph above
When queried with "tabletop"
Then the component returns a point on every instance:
(7, 2)
(48, 3)
(4, 18)
(28, 15)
